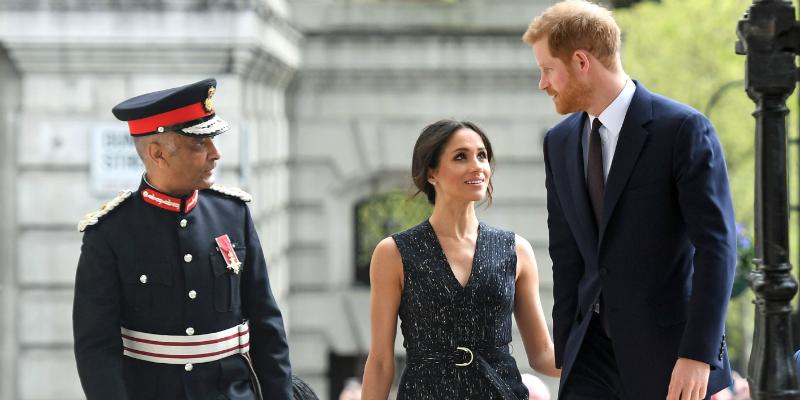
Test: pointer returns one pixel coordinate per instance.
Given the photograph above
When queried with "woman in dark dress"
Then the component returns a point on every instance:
(454, 282)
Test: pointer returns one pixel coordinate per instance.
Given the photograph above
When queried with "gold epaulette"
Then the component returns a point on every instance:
(94, 216)
(233, 192)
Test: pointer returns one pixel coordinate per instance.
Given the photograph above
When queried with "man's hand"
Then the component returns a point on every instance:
(689, 380)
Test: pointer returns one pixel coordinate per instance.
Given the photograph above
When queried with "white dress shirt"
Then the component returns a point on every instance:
(611, 118)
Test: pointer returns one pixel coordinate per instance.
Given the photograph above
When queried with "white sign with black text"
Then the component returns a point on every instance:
(113, 162)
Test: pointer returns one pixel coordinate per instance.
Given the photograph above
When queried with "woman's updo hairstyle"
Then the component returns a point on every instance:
(428, 152)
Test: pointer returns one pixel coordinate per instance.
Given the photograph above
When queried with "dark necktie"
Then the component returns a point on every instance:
(594, 172)
(597, 187)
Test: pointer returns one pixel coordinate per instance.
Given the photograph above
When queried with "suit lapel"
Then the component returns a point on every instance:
(632, 138)
(577, 178)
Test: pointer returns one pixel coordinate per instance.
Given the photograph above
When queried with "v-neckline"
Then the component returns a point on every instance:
(447, 262)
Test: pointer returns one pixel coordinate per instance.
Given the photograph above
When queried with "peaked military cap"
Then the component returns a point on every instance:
(187, 110)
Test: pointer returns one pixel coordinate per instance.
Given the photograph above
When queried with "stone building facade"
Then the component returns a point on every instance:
(67, 64)
(326, 98)
(373, 75)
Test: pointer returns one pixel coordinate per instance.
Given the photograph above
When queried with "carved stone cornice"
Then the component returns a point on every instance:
(148, 42)
(257, 65)
(275, 11)
(261, 6)
(320, 16)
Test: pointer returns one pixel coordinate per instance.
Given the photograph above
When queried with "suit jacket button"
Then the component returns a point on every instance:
(143, 279)
(190, 331)
(188, 367)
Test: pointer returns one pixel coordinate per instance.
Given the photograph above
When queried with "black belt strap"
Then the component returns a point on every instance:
(253, 377)
(464, 357)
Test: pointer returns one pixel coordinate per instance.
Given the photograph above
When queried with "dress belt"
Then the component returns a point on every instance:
(464, 357)
(174, 349)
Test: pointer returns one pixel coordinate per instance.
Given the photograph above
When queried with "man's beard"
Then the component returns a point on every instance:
(574, 97)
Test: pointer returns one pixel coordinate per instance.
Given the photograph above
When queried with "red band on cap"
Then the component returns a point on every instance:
(169, 118)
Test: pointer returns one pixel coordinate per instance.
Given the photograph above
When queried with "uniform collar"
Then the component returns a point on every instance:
(161, 200)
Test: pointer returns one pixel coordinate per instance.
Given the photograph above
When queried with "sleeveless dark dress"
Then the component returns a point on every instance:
(456, 338)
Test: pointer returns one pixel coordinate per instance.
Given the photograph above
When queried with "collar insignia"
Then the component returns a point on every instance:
(170, 203)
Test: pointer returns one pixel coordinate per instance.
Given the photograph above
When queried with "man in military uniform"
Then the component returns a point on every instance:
(172, 298)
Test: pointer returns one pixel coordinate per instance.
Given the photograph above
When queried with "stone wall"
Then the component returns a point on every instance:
(9, 105)
(77, 60)
(326, 98)
(374, 74)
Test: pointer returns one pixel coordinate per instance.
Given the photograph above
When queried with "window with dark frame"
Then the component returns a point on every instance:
(379, 216)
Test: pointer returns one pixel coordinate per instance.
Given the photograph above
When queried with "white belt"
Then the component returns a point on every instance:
(174, 349)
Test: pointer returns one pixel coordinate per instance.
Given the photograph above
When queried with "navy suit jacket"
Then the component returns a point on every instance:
(664, 255)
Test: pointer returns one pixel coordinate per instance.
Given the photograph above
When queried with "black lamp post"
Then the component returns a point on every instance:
(770, 38)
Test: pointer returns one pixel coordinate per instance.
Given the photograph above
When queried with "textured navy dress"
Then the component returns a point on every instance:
(456, 337)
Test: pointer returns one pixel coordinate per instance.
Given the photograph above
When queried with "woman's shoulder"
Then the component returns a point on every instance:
(502, 233)
(386, 265)
(414, 234)
(386, 250)
(520, 243)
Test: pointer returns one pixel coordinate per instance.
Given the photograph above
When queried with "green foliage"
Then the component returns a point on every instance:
(684, 49)
(381, 216)
(744, 261)
(740, 322)
(407, 1)
(626, 3)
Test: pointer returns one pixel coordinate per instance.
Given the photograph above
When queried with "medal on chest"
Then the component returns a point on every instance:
(225, 247)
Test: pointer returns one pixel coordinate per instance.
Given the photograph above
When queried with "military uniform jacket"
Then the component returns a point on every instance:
(154, 270)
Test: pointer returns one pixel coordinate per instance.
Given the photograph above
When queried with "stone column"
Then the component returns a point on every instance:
(9, 106)
(264, 150)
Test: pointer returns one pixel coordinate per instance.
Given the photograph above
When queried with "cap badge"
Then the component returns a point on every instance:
(208, 104)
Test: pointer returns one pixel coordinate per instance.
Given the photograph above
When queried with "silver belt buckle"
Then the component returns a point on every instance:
(471, 357)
